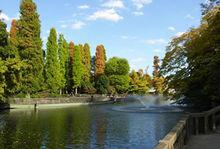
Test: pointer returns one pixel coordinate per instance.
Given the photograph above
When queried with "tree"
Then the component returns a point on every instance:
(102, 84)
(117, 70)
(53, 73)
(30, 47)
(70, 68)
(4, 54)
(192, 62)
(87, 86)
(87, 63)
(139, 82)
(100, 60)
(158, 81)
(63, 60)
(3, 69)
(77, 68)
(209, 5)
(13, 41)
(10, 74)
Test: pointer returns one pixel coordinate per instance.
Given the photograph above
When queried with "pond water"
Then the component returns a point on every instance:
(88, 126)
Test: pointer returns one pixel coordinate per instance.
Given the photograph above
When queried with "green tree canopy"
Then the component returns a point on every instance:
(192, 62)
(53, 73)
(77, 68)
(30, 46)
(117, 70)
(63, 59)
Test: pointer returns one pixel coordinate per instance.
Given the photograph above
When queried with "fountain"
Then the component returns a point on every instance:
(148, 104)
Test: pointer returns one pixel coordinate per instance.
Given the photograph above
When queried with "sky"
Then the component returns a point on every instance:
(133, 29)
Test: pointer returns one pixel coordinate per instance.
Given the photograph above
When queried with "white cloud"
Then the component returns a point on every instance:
(4, 16)
(108, 14)
(155, 41)
(114, 4)
(141, 3)
(85, 6)
(189, 16)
(171, 28)
(138, 13)
(179, 34)
(78, 25)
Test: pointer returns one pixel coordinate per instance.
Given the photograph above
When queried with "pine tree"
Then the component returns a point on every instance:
(30, 46)
(53, 76)
(100, 60)
(63, 59)
(77, 68)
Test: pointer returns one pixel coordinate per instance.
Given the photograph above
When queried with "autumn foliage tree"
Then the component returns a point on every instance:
(158, 81)
(100, 60)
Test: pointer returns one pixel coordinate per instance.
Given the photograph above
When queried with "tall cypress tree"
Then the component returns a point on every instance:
(13, 41)
(30, 46)
(87, 63)
(100, 60)
(70, 68)
(63, 59)
(53, 76)
(77, 68)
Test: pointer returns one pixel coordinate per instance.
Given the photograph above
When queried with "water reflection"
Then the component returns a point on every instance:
(83, 127)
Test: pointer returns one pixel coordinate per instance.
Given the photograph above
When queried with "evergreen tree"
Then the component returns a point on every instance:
(53, 76)
(100, 60)
(77, 68)
(63, 59)
(30, 46)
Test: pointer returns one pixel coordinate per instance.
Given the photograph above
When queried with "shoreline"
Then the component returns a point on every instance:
(55, 105)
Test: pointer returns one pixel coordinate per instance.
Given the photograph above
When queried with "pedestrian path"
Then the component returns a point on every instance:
(209, 141)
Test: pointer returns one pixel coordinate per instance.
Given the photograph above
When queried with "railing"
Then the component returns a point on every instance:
(190, 124)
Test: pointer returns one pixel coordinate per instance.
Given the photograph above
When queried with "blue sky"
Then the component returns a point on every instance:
(133, 29)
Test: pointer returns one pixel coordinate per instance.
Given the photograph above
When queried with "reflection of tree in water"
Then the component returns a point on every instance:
(24, 131)
(7, 131)
(101, 126)
(81, 123)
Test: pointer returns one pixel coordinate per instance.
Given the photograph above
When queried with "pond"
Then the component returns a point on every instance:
(87, 126)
